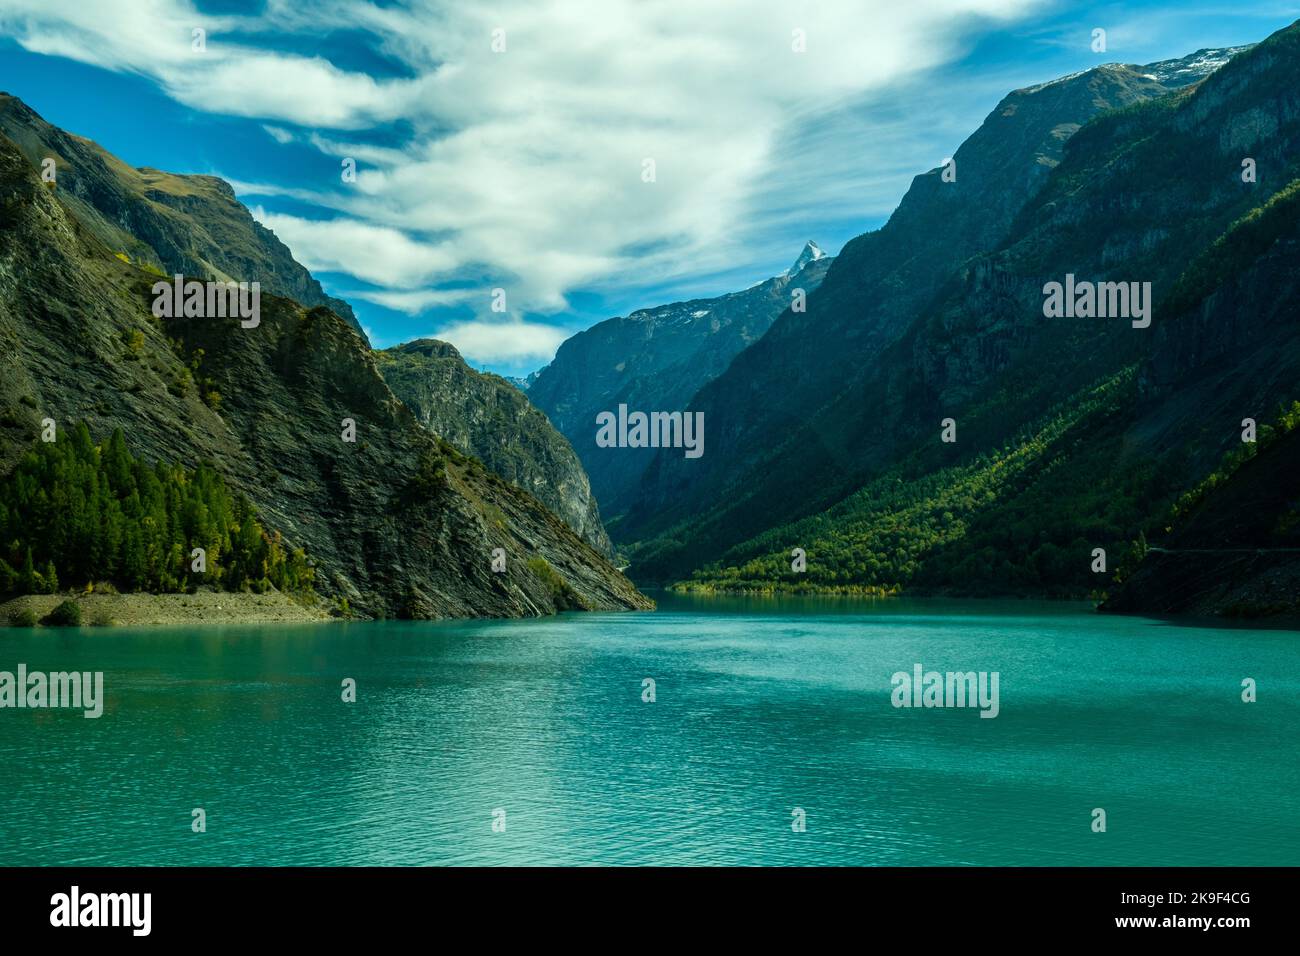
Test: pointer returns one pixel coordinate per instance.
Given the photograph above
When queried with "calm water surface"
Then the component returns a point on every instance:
(762, 707)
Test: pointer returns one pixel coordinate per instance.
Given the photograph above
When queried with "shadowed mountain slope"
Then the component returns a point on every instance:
(1071, 433)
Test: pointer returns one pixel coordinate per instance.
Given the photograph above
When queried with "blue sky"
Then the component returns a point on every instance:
(518, 159)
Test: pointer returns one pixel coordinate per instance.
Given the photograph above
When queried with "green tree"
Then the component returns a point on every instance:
(27, 578)
(100, 515)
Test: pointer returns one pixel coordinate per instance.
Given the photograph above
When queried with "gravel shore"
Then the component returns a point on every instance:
(201, 607)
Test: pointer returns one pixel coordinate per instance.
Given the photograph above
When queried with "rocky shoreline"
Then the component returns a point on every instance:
(201, 607)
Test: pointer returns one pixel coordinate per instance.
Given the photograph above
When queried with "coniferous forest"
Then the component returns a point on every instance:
(73, 513)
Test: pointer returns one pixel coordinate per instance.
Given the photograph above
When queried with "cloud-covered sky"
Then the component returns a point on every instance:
(508, 145)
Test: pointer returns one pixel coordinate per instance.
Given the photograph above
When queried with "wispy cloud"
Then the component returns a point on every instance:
(281, 136)
(526, 165)
(419, 300)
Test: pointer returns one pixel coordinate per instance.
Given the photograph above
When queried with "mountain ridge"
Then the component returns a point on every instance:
(874, 289)
(190, 224)
(486, 416)
(397, 522)
(978, 351)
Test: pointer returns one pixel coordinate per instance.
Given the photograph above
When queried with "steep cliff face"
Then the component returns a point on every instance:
(397, 522)
(487, 417)
(656, 360)
(193, 225)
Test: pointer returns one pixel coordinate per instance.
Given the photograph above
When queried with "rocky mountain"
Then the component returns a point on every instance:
(656, 360)
(396, 521)
(485, 416)
(193, 225)
(1086, 433)
(940, 314)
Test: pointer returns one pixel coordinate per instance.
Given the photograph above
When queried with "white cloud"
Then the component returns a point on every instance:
(279, 134)
(376, 254)
(503, 343)
(419, 300)
(526, 166)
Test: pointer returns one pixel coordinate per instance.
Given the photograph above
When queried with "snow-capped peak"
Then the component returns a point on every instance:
(811, 253)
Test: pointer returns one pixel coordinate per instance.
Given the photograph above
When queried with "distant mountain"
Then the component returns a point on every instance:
(770, 462)
(188, 224)
(811, 253)
(485, 416)
(656, 360)
(523, 384)
(398, 522)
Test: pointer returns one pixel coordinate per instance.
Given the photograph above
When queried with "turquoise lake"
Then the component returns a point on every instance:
(761, 707)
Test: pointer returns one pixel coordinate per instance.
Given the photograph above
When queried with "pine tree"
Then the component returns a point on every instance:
(101, 515)
(27, 578)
